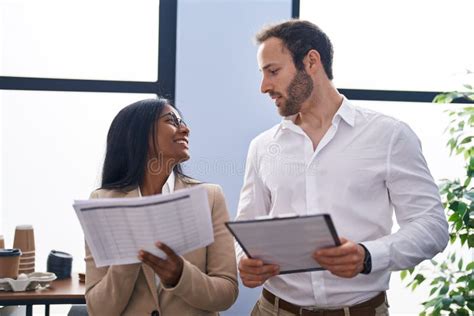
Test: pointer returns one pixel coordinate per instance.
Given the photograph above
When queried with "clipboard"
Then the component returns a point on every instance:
(286, 241)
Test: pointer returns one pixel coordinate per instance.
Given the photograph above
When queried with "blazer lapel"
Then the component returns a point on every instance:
(179, 184)
(150, 280)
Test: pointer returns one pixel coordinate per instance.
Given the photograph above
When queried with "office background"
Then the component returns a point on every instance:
(52, 142)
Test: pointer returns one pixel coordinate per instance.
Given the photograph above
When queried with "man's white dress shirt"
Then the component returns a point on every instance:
(366, 166)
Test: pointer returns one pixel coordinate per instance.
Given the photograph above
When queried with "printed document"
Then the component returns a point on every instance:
(116, 229)
(286, 241)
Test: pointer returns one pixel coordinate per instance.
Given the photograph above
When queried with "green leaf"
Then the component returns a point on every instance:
(454, 217)
(433, 290)
(460, 264)
(420, 278)
(440, 98)
(466, 140)
(469, 195)
(466, 183)
(470, 241)
(446, 301)
(470, 305)
(431, 302)
(444, 186)
(466, 218)
(438, 280)
(459, 299)
(450, 196)
(471, 285)
(470, 223)
(463, 238)
(403, 274)
(462, 312)
(470, 266)
(458, 225)
(444, 289)
(462, 208)
(452, 238)
(462, 279)
(454, 205)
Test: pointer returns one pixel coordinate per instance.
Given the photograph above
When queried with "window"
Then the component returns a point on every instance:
(64, 75)
(106, 40)
(404, 45)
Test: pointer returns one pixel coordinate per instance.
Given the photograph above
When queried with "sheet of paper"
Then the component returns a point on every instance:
(116, 229)
(288, 242)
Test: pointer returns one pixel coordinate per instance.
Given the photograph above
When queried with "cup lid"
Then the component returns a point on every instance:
(60, 254)
(10, 252)
(24, 227)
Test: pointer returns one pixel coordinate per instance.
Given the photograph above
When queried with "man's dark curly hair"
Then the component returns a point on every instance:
(300, 37)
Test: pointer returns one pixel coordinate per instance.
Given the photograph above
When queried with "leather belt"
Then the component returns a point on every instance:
(366, 308)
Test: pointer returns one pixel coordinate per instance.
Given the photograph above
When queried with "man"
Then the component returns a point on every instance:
(329, 156)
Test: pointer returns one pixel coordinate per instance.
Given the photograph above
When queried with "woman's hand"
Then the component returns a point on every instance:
(169, 270)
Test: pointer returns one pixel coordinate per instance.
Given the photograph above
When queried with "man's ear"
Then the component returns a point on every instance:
(313, 61)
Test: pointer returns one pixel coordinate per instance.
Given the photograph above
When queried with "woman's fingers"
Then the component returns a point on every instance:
(152, 260)
(167, 250)
(169, 270)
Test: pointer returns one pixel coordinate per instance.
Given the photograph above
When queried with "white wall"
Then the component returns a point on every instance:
(218, 92)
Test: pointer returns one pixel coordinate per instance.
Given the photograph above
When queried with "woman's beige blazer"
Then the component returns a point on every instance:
(208, 283)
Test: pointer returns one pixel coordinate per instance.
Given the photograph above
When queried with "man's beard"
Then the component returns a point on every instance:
(299, 90)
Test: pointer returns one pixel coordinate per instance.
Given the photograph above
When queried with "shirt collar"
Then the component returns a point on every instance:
(167, 188)
(288, 122)
(346, 112)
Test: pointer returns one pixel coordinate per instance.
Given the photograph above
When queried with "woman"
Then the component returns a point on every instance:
(145, 144)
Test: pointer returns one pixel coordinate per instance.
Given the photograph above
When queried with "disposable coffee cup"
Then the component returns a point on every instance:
(24, 238)
(9, 263)
(27, 260)
(26, 265)
(28, 254)
(59, 263)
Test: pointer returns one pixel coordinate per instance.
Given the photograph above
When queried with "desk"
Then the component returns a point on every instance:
(66, 291)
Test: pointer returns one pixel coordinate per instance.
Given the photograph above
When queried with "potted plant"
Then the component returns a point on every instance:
(451, 281)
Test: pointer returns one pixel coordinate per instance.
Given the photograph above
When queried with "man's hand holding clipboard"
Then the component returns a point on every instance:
(293, 244)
